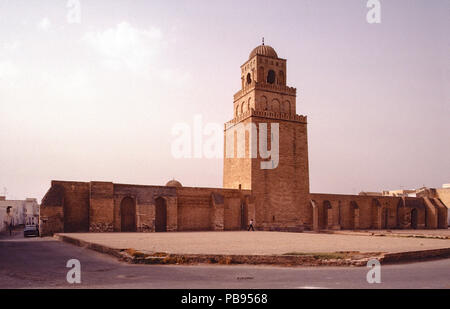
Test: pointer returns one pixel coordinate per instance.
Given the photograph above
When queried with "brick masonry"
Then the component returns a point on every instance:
(276, 199)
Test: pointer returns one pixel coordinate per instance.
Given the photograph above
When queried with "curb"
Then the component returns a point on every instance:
(357, 260)
(277, 260)
(376, 234)
(410, 256)
(84, 244)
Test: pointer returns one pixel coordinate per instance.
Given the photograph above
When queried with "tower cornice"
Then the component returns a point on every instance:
(285, 90)
(266, 115)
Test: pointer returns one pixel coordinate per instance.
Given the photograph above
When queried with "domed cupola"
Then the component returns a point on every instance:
(174, 183)
(264, 50)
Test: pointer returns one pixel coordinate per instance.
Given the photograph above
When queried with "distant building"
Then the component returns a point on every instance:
(371, 194)
(400, 193)
(23, 212)
(443, 194)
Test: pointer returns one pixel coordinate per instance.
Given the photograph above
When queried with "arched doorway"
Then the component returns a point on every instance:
(376, 215)
(400, 214)
(384, 218)
(354, 213)
(414, 218)
(244, 216)
(128, 215)
(327, 215)
(160, 215)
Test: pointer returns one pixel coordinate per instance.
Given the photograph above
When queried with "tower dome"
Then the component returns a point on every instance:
(264, 50)
(174, 183)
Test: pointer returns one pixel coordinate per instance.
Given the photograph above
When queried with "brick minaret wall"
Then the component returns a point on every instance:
(281, 194)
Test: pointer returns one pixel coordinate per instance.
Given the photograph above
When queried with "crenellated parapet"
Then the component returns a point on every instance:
(279, 89)
(267, 115)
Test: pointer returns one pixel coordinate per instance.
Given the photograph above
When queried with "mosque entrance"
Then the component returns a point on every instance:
(160, 215)
(128, 215)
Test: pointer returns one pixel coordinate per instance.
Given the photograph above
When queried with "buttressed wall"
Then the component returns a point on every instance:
(354, 212)
(72, 207)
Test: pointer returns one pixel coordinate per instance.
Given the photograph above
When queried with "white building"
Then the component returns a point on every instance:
(25, 212)
(400, 193)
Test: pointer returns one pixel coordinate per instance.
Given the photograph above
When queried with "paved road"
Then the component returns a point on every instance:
(41, 263)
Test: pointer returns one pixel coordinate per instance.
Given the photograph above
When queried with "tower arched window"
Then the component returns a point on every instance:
(271, 77)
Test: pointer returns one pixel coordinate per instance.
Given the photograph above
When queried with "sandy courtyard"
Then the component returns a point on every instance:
(257, 243)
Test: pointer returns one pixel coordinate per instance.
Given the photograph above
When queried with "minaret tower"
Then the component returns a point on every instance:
(266, 107)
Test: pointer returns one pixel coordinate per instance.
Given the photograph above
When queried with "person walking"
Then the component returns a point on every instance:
(250, 226)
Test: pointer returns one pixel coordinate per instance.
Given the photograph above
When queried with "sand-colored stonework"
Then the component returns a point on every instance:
(278, 199)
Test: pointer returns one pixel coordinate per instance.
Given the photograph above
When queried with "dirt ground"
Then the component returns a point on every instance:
(258, 243)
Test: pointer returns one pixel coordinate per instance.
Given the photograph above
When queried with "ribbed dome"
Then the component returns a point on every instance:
(174, 183)
(264, 50)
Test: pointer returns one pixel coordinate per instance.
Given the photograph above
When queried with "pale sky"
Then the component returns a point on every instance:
(97, 100)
